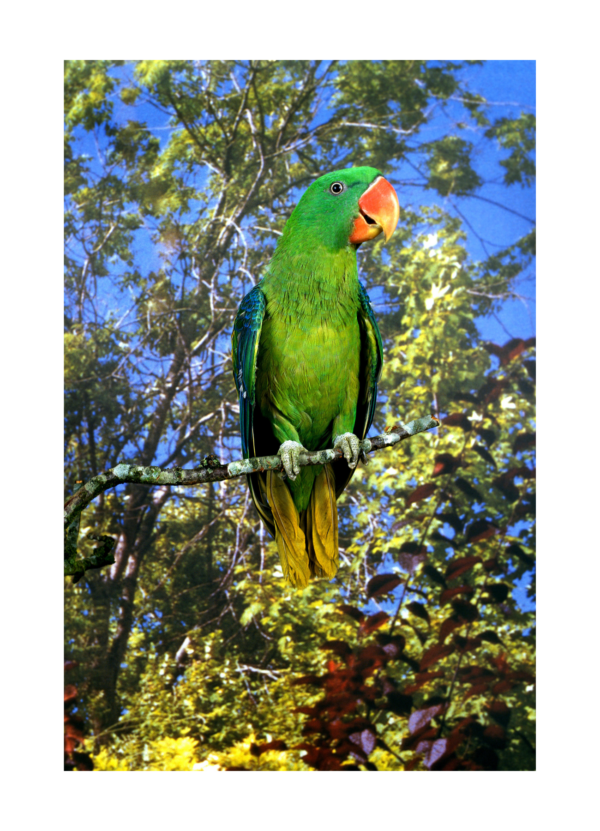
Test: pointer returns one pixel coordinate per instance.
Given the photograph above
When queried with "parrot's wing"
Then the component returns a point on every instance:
(371, 361)
(245, 338)
(244, 342)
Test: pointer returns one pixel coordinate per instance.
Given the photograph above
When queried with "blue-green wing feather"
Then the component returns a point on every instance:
(373, 358)
(245, 338)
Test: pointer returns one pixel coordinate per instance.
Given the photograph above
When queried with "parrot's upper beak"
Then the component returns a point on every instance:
(379, 211)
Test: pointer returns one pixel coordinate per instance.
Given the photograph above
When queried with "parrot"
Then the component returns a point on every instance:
(307, 356)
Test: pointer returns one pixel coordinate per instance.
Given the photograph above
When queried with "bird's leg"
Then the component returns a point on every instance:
(350, 445)
(289, 453)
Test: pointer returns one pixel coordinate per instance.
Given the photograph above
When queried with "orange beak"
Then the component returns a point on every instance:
(379, 211)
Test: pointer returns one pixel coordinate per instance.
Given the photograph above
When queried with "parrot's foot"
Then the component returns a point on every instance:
(289, 453)
(350, 445)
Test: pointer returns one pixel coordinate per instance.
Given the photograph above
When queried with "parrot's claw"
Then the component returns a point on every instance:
(350, 445)
(289, 453)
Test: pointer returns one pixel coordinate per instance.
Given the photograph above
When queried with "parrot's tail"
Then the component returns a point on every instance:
(307, 541)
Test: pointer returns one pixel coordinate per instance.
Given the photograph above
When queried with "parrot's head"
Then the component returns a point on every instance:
(345, 208)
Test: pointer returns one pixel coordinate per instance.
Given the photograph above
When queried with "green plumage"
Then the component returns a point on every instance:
(307, 355)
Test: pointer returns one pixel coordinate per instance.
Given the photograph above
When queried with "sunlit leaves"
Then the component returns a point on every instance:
(516, 135)
(450, 170)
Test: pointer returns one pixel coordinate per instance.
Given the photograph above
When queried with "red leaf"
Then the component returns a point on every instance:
(445, 463)
(453, 520)
(493, 566)
(448, 594)
(498, 592)
(82, 761)
(468, 489)
(399, 703)
(371, 656)
(490, 636)
(473, 672)
(70, 692)
(411, 742)
(499, 711)
(448, 626)
(514, 348)
(525, 507)
(434, 575)
(340, 648)
(491, 390)
(419, 610)
(523, 441)
(481, 529)
(413, 548)
(487, 435)
(451, 763)
(307, 711)
(352, 612)
(308, 679)
(476, 689)
(382, 584)
(517, 551)
(373, 622)
(495, 736)
(509, 351)
(493, 348)
(501, 663)
(436, 536)
(422, 492)
(467, 644)
(484, 453)
(467, 611)
(460, 565)
(506, 486)
(525, 472)
(502, 686)
(435, 654)
(423, 677)
(458, 420)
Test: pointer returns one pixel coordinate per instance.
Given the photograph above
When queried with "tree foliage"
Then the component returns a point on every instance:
(191, 651)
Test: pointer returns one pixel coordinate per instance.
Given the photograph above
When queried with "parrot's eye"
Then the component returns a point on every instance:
(336, 188)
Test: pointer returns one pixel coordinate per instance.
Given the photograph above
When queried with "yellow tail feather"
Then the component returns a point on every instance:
(322, 526)
(290, 538)
(307, 542)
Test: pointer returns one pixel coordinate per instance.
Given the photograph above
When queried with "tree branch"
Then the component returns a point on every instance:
(211, 470)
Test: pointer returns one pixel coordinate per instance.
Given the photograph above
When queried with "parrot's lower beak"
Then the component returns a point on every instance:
(379, 211)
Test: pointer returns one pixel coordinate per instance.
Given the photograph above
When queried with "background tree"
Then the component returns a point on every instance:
(179, 177)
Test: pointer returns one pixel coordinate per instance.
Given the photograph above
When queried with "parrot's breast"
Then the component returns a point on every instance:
(308, 375)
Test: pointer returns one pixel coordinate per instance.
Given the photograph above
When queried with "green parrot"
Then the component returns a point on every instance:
(307, 356)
